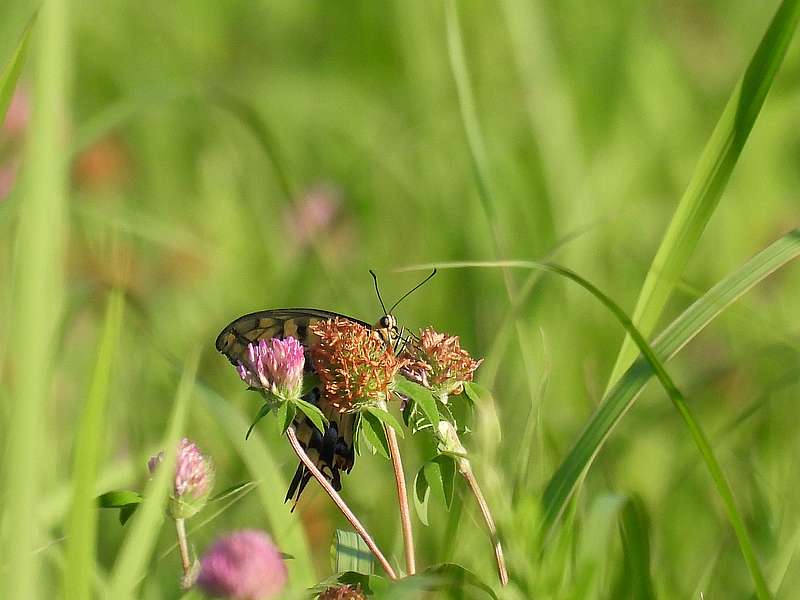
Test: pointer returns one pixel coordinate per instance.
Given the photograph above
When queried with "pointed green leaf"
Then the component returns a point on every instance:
(421, 496)
(126, 512)
(386, 418)
(371, 428)
(119, 498)
(421, 396)
(313, 413)
(10, 73)
(262, 412)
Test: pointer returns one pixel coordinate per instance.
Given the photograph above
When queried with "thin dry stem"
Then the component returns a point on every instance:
(340, 503)
(466, 470)
(183, 549)
(402, 498)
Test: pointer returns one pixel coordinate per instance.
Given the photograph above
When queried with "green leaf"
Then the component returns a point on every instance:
(10, 74)
(231, 491)
(477, 393)
(313, 413)
(126, 512)
(288, 416)
(310, 381)
(447, 471)
(371, 428)
(636, 576)
(421, 496)
(710, 178)
(448, 580)
(421, 397)
(262, 412)
(349, 553)
(386, 418)
(119, 498)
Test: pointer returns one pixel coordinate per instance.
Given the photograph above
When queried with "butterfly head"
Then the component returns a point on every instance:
(386, 329)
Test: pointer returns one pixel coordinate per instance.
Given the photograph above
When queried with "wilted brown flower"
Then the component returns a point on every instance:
(438, 362)
(354, 365)
(343, 592)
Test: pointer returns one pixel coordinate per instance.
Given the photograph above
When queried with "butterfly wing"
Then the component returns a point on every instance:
(331, 450)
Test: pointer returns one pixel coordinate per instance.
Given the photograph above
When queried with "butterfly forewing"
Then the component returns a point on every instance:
(263, 325)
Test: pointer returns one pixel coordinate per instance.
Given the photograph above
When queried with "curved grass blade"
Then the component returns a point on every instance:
(82, 528)
(10, 74)
(139, 543)
(710, 178)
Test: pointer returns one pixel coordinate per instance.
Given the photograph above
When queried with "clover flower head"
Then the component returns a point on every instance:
(438, 362)
(276, 366)
(354, 365)
(243, 565)
(343, 592)
(194, 479)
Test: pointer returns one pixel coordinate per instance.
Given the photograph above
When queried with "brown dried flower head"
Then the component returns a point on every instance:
(438, 362)
(343, 592)
(354, 365)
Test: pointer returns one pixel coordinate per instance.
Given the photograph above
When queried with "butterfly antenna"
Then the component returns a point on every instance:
(377, 291)
(411, 291)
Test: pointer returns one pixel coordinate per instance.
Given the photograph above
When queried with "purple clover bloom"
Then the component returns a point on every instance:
(244, 565)
(194, 478)
(276, 366)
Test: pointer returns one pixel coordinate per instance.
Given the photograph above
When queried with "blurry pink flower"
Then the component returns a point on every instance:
(244, 565)
(18, 113)
(314, 213)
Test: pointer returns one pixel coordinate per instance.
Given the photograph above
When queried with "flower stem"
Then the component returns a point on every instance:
(339, 502)
(183, 548)
(402, 497)
(465, 469)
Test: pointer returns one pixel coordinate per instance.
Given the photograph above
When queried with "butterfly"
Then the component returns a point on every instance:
(332, 450)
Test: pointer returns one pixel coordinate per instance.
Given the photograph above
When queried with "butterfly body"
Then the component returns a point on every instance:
(331, 450)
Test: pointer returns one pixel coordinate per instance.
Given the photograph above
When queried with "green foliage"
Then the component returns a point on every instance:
(349, 553)
(259, 155)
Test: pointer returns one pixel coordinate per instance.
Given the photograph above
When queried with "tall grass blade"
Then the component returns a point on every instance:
(710, 178)
(129, 567)
(82, 527)
(37, 300)
(679, 333)
(10, 74)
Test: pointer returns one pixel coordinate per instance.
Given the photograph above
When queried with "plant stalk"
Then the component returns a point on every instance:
(402, 498)
(183, 549)
(465, 469)
(339, 502)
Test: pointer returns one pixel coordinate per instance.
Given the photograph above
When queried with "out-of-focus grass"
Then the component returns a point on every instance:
(592, 119)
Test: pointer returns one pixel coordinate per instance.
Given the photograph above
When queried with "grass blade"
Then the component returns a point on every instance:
(10, 74)
(621, 397)
(129, 567)
(37, 300)
(710, 178)
(350, 553)
(82, 528)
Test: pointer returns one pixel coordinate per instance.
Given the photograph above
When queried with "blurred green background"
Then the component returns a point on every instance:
(225, 157)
